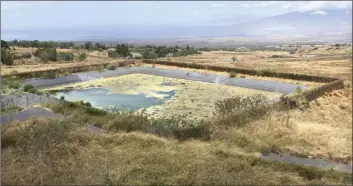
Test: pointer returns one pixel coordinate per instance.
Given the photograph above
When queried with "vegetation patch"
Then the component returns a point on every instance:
(27, 87)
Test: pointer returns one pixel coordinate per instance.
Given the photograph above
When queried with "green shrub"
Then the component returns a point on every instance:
(82, 57)
(6, 58)
(46, 54)
(27, 87)
(27, 55)
(237, 111)
(14, 85)
(44, 57)
(88, 104)
(66, 56)
(232, 75)
(111, 67)
(33, 90)
(49, 75)
(298, 90)
(113, 54)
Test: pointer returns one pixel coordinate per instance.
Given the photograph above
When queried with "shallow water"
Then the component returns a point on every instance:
(104, 98)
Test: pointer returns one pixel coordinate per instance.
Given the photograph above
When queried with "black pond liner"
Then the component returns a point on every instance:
(28, 113)
(180, 74)
(319, 163)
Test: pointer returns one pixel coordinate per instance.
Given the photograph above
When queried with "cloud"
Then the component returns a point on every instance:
(317, 5)
(319, 12)
(14, 14)
(217, 5)
(195, 12)
(8, 5)
(300, 6)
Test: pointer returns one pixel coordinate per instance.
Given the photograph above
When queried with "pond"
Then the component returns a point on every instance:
(104, 98)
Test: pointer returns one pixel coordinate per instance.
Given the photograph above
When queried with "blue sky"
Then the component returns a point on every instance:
(69, 14)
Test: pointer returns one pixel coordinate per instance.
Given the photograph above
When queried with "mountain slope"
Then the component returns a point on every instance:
(319, 21)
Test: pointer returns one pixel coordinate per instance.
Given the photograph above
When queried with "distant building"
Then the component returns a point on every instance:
(242, 49)
(169, 55)
(136, 55)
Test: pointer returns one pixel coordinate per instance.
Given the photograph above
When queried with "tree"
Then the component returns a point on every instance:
(99, 46)
(122, 50)
(88, 46)
(35, 44)
(149, 55)
(187, 47)
(4, 44)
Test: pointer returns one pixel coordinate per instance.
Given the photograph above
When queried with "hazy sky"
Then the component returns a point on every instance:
(25, 14)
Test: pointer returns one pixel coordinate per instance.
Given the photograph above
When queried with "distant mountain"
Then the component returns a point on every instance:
(309, 22)
(321, 25)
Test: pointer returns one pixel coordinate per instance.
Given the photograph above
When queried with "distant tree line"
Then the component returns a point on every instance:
(41, 44)
(46, 50)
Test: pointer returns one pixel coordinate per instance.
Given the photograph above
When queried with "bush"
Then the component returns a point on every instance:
(27, 55)
(111, 67)
(88, 104)
(14, 85)
(44, 57)
(66, 56)
(298, 90)
(149, 55)
(232, 75)
(33, 90)
(113, 54)
(82, 57)
(49, 75)
(27, 87)
(23, 56)
(46, 54)
(6, 58)
(237, 111)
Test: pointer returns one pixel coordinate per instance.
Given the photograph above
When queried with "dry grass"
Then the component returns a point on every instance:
(324, 63)
(324, 130)
(65, 153)
(41, 151)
